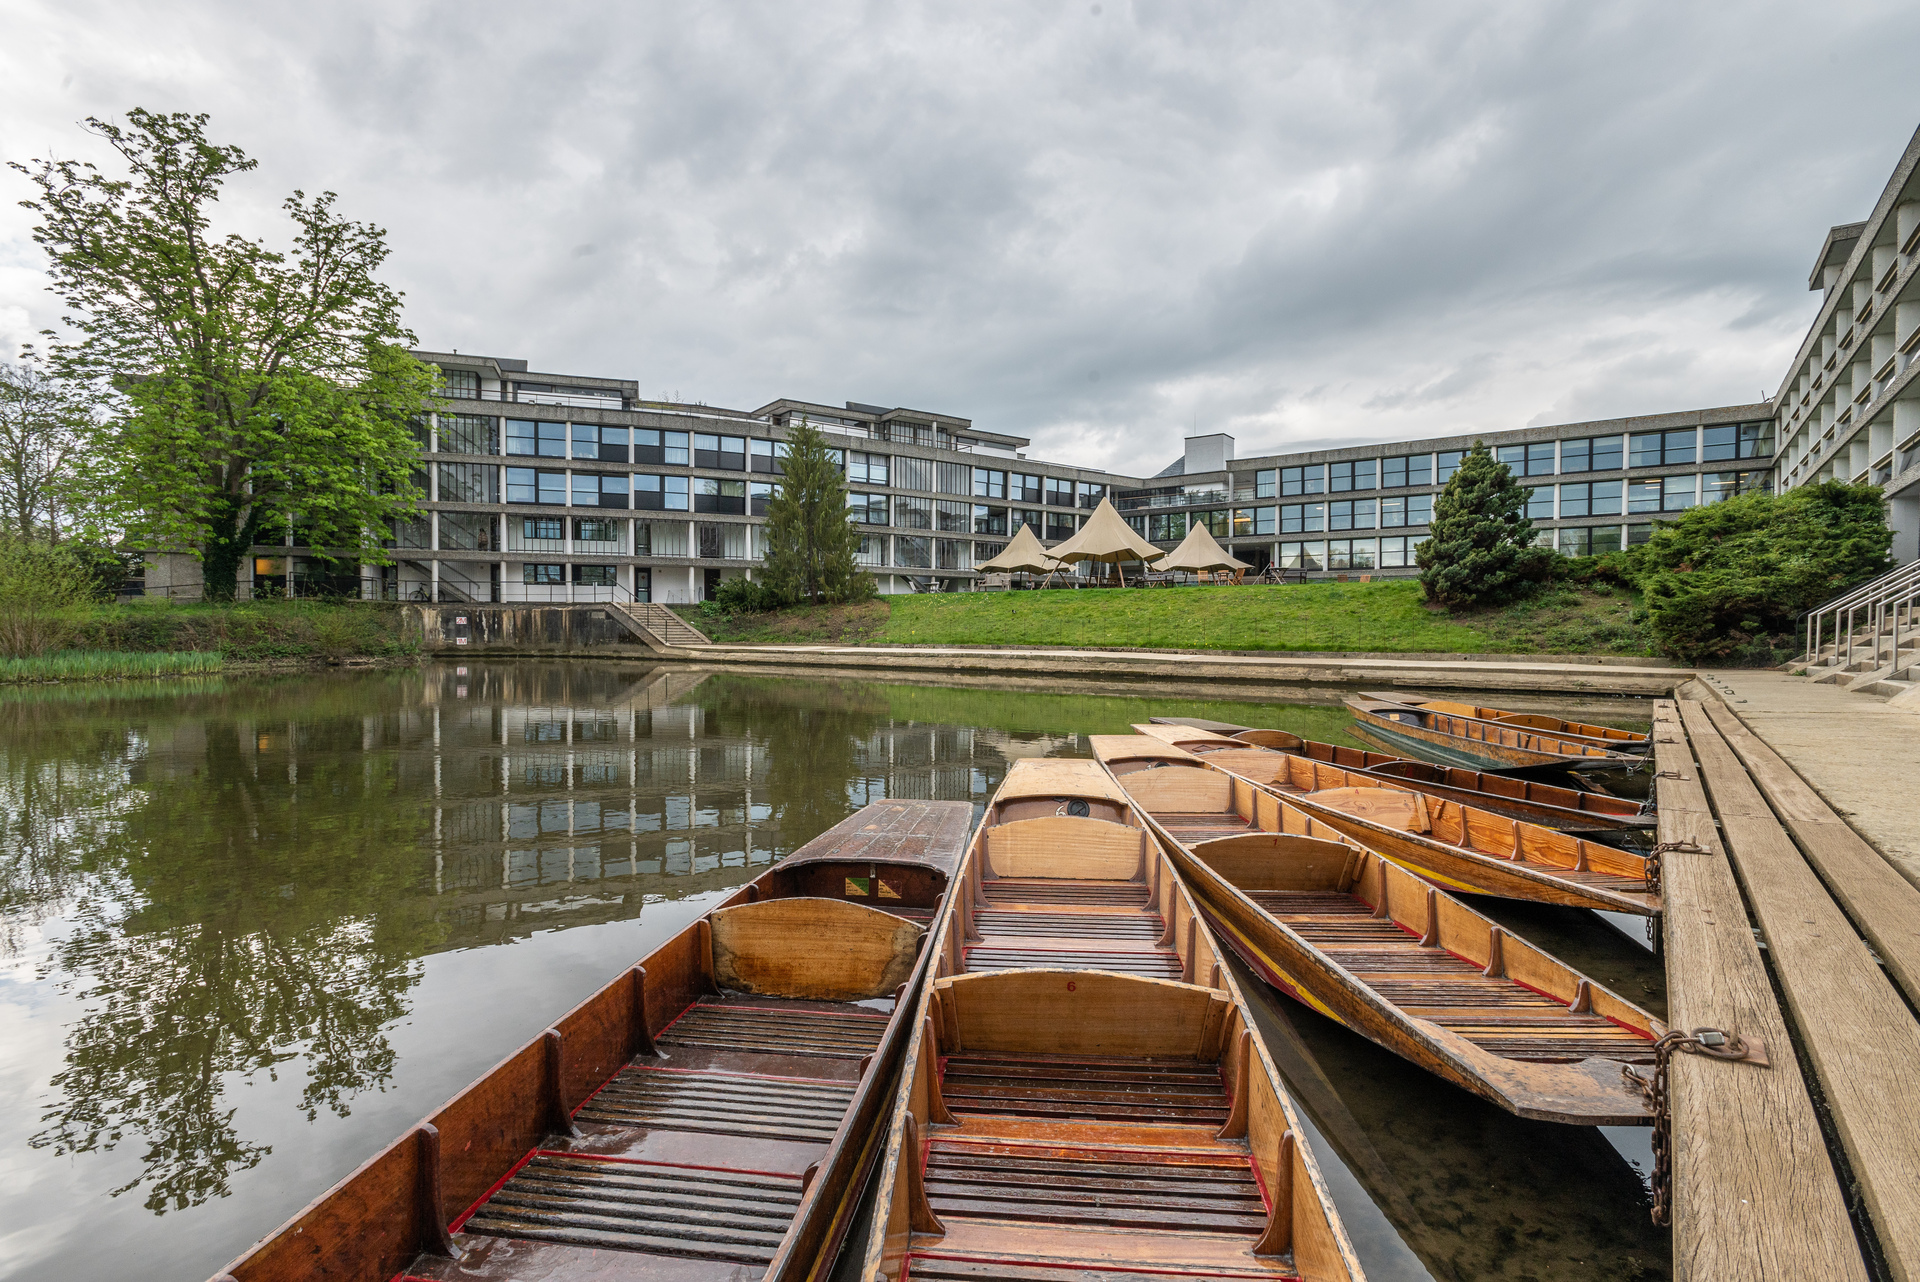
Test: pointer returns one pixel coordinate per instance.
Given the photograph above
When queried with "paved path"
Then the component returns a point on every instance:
(1861, 754)
(1645, 678)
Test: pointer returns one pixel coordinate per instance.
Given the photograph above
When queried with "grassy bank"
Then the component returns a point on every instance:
(246, 632)
(102, 665)
(1387, 617)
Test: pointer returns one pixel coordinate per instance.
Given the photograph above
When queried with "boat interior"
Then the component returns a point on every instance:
(1084, 1097)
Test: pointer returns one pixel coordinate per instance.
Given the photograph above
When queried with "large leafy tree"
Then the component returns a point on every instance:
(249, 385)
(810, 542)
(1727, 583)
(46, 424)
(1480, 550)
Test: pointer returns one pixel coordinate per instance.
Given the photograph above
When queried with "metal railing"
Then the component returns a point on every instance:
(1877, 608)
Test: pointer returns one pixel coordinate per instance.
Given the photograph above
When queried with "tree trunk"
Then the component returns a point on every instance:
(229, 537)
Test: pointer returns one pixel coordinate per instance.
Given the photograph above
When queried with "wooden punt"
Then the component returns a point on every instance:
(1361, 940)
(711, 1114)
(1568, 809)
(1086, 1097)
(1571, 731)
(1432, 734)
(1456, 847)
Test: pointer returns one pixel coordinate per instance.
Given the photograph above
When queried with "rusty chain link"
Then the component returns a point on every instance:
(1713, 1042)
(1653, 860)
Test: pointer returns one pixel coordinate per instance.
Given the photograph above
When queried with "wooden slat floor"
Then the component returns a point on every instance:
(1081, 925)
(1497, 1014)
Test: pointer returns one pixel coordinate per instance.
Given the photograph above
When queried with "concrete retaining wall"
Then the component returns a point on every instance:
(526, 629)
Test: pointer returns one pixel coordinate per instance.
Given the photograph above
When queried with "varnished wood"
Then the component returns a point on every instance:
(1477, 743)
(431, 1207)
(1754, 1194)
(1570, 731)
(1862, 1038)
(823, 949)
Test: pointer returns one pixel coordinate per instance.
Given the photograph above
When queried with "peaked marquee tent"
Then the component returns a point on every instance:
(1106, 538)
(1024, 553)
(1198, 552)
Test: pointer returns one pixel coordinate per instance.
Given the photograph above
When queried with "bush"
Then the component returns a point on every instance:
(1727, 583)
(1481, 549)
(746, 596)
(38, 585)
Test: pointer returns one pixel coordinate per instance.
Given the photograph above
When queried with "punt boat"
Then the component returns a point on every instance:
(1608, 737)
(1430, 731)
(1361, 940)
(1568, 809)
(712, 1113)
(1086, 1097)
(1456, 847)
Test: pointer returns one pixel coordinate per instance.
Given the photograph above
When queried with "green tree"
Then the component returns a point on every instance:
(1480, 550)
(46, 424)
(1728, 582)
(810, 542)
(248, 385)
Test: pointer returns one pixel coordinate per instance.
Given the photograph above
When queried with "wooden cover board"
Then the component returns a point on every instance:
(820, 949)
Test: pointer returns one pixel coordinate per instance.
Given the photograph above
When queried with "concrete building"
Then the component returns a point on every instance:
(563, 487)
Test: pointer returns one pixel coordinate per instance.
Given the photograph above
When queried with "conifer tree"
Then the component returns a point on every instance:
(810, 542)
(1481, 549)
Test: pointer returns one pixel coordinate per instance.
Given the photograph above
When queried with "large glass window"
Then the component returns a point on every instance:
(759, 494)
(1527, 460)
(543, 574)
(525, 485)
(1059, 492)
(1266, 485)
(1419, 509)
(660, 493)
(469, 434)
(1736, 441)
(536, 534)
(1026, 516)
(1590, 454)
(867, 509)
(1022, 488)
(1303, 556)
(1251, 522)
(1356, 474)
(1060, 525)
(1540, 503)
(711, 494)
(468, 531)
(1643, 496)
(1449, 463)
(1393, 513)
(591, 490)
(873, 550)
(469, 483)
(913, 551)
(599, 442)
(460, 384)
(596, 576)
(768, 456)
(914, 473)
(724, 453)
(650, 445)
(865, 468)
(1416, 469)
(953, 554)
(1166, 527)
(1350, 514)
(1591, 498)
(1303, 518)
(1091, 494)
(953, 518)
(1655, 449)
(594, 530)
(989, 483)
(1350, 554)
(1303, 480)
(911, 512)
(1718, 486)
(544, 440)
(1677, 492)
(989, 520)
(1393, 553)
(1219, 524)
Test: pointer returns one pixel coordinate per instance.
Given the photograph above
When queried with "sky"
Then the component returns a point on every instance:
(1103, 226)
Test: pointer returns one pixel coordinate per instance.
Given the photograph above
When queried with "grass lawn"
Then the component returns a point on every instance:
(1383, 617)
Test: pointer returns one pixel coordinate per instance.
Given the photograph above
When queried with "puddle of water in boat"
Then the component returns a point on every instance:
(250, 929)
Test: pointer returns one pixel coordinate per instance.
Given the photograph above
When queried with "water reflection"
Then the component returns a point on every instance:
(222, 903)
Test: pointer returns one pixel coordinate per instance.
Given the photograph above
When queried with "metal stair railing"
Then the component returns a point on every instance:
(665, 624)
(1874, 608)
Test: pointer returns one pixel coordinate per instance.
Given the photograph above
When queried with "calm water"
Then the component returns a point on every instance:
(251, 929)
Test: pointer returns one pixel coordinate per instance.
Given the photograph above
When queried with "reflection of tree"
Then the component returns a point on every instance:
(813, 732)
(252, 900)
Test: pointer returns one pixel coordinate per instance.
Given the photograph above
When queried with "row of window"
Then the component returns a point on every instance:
(910, 512)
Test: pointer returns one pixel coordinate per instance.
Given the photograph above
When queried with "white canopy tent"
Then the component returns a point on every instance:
(1106, 538)
(1199, 553)
(1023, 555)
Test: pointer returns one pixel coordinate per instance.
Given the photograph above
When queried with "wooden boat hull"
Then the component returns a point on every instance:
(1577, 732)
(1567, 809)
(1409, 737)
(709, 1111)
(1053, 1117)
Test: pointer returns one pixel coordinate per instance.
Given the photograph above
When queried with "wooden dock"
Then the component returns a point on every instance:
(1756, 1192)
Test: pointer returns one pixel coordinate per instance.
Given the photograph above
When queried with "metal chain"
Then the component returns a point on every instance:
(1712, 1042)
(1653, 860)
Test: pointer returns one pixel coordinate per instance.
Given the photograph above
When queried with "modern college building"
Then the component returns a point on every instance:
(550, 486)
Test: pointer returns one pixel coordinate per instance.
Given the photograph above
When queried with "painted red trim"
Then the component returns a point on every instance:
(498, 1184)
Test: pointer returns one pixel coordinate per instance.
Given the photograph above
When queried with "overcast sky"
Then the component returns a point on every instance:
(1100, 225)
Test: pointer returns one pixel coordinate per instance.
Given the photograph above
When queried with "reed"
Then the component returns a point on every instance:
(105, 665)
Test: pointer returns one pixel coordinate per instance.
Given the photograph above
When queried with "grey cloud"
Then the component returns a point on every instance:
(1317, 222)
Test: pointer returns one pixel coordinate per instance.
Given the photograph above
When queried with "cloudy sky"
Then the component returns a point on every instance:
(1101, 225)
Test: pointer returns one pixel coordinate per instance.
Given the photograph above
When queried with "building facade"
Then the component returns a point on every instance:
(561, 487)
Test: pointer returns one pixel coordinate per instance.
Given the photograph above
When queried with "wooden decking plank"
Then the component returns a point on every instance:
(1754, 1193)
(1861, 1037)
(1884, 905)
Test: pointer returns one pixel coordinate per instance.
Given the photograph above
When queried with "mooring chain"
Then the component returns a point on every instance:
(1715, 1044)
(1653, 860)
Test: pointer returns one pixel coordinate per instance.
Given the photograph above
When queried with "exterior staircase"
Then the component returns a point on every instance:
(662, 626)
(1867, 639)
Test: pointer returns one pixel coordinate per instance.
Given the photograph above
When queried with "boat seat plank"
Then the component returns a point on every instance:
(648, 1096)
(1003, 891)
(737, 1026)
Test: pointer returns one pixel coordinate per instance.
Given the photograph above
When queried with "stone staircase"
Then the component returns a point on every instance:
(666, 629)
(1866, 639)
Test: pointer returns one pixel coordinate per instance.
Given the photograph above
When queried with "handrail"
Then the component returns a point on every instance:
(1887, 595)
